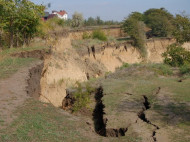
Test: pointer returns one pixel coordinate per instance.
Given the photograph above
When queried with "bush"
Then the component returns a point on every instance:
(185, 69)
(98, 34)
(176, 56)
(86, 35)
(125, 65)
(82, 96)
(162, 69)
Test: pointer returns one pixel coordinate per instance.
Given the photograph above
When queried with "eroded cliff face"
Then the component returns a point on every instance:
(66, 65)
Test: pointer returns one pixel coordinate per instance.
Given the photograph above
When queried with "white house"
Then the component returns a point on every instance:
(61, 14)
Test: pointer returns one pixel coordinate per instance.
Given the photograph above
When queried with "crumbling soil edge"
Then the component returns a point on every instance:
(33, 82)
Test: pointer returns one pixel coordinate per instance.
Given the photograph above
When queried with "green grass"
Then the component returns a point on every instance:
(17, 50)
(41, 122)
(8, 66)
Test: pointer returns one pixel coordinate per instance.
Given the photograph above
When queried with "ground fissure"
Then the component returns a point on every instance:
(142, 116)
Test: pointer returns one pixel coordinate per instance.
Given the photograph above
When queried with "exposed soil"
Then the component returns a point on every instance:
(13, 93)
(33, 88)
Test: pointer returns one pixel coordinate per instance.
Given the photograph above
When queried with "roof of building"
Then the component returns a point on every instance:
(62, 12)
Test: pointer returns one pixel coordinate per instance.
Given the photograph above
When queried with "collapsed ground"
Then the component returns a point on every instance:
(140, 102)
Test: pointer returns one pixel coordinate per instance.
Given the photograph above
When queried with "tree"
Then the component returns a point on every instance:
(182, 30)
(160, 21)
(136, 30)
(77, 20)
(19, 20)
(99, 21)
(90, 22)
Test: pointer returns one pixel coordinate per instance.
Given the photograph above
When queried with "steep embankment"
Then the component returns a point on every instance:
(67, 65)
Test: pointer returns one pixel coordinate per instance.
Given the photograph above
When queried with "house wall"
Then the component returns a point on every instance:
(62, 17)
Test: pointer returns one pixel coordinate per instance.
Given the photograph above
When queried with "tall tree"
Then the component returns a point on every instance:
(160, 21)
(77, 19)
(182, 30)
(19, 20)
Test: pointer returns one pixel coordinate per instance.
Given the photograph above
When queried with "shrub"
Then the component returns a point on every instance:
(185, 69)
(82, 96)
(98, 34)
(176, 56)
(125, 65)
(86, 35)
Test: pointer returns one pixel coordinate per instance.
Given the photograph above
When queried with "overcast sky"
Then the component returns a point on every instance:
(114, 9)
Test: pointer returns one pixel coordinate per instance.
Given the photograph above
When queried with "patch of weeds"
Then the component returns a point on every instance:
(82, 96)
(185, 69)
(161, 69)
(125, 65)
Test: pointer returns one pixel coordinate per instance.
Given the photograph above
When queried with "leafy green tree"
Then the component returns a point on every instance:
(99, 21)
(160, 21)
(136, 30)
(176, 56)
(182, 30)
(77, 19)
(90, 22)
(19, 20)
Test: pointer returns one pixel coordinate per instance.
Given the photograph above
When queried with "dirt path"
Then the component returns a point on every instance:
(13, 94)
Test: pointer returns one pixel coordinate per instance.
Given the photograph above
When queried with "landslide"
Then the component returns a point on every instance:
(66, 64)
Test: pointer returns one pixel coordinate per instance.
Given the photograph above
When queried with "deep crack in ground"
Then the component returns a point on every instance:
(142, 116)
(99, 120)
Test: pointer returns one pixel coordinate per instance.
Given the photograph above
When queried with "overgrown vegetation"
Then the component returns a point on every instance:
(185, 69)
(82, 96)
(176, 56)
(98, 34)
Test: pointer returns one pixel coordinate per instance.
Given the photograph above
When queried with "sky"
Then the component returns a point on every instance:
(114, 9)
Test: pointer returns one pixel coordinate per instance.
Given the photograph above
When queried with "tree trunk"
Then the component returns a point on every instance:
(11, 36)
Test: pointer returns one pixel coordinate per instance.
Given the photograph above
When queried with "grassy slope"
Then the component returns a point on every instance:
(9, 65)
(42, 122)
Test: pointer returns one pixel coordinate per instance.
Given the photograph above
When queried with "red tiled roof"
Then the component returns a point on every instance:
(62, 12)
